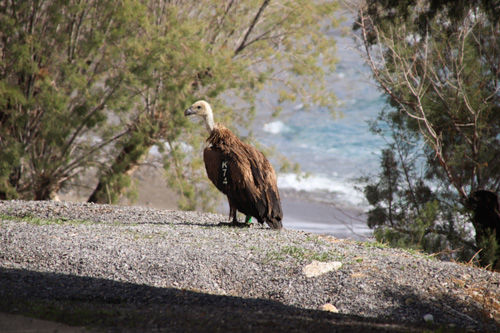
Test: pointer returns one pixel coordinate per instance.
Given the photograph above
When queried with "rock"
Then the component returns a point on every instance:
(429, 318)
(329, 307)
(317, 268)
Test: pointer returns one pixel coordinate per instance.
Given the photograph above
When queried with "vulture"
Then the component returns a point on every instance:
(239, 171)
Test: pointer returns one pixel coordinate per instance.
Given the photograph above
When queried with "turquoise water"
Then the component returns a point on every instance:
(332, 150)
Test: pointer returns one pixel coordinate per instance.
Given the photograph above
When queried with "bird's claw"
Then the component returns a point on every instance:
(235, 224)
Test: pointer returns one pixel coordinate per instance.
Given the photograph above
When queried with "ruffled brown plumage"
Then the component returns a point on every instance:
(241, 172)
(249, 181)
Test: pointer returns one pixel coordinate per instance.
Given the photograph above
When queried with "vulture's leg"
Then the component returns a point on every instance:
(248, 219)
(236, 223)
(233, 214)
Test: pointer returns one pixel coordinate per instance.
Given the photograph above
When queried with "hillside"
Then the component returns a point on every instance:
(134, 268)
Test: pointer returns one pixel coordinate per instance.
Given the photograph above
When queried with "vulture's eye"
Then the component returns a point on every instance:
(198, 107)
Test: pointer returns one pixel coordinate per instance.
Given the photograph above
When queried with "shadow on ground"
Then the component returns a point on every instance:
(116, 306)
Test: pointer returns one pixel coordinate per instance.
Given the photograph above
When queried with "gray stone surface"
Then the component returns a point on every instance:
(160, 269)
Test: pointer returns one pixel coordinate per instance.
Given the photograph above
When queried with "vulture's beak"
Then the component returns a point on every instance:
(189, 112)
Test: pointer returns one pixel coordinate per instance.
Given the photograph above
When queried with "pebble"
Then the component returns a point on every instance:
(329, 307)
(317, 268)
(429, 318)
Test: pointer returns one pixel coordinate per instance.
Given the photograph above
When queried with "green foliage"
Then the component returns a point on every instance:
(433, 59)
(58, 75)
(377, 244)
(301, 254)
(406, 212)
(40, 221)
(222, 53)
(89, 87)
(413, 232)
(490, 249)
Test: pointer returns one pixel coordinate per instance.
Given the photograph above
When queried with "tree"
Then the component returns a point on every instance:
(60, 74)
(240, 46)
(90, 86)
(437, 62)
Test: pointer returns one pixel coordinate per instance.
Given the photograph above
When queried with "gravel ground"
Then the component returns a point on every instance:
(115, 268)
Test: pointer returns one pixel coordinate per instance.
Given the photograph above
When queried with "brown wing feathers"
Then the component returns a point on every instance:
(245, 175)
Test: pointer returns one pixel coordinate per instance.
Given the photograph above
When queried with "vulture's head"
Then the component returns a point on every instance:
(200, 108)
(204, 110)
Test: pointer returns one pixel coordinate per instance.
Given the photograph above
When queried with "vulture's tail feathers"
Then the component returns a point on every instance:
(275, 223)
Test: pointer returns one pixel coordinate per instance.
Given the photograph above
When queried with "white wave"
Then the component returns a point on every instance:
(186, 148)
(298, 107)
(276, 127)
(321, 183)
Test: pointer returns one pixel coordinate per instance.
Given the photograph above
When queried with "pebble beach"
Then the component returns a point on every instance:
(118, 268)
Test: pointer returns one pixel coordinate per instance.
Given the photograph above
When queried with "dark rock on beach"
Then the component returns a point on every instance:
(116, 268)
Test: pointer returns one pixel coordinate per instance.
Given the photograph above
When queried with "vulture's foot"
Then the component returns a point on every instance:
(235, 224)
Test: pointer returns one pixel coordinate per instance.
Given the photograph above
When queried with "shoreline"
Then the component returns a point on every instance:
(302, 210)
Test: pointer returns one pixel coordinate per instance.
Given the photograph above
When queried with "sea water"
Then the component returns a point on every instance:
(331, 150)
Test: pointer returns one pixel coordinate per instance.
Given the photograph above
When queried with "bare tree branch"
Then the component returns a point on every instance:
(252, 26)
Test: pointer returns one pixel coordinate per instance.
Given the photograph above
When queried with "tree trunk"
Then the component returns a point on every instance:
(46, 188)
(116, 179)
